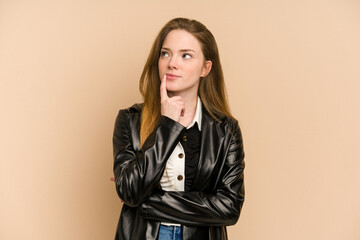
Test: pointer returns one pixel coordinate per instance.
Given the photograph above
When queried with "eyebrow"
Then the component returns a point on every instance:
(181, 50)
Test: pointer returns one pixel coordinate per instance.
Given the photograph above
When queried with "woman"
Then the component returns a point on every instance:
(178, 157)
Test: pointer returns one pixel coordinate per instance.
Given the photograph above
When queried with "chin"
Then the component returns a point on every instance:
(172, 88)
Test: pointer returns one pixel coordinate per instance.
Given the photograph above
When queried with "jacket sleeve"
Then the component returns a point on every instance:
(198, 208)
(137, 173)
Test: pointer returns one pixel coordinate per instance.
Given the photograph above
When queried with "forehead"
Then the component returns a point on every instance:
(181, 39)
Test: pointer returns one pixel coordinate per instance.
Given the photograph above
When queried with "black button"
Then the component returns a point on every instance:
(181, 155)
(180, 177)
(184, 138)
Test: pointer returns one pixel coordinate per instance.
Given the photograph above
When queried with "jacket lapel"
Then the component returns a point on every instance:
(212, 139)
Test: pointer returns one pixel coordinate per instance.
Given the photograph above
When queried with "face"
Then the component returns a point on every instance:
(182, 60)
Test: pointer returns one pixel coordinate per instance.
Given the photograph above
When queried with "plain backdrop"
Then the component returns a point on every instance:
(292, 70)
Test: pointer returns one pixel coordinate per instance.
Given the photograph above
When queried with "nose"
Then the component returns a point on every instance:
(173, 63)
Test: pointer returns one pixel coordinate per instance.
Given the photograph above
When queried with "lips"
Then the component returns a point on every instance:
(171, 76)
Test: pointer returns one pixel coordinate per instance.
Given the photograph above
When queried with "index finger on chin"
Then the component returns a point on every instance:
(163, 91)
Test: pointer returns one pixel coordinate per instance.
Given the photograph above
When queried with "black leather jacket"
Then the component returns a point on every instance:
(218, 188)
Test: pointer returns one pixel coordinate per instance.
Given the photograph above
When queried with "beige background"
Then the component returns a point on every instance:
(292, 71)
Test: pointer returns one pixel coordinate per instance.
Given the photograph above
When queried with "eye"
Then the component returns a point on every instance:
(186, 56)
(164, 54)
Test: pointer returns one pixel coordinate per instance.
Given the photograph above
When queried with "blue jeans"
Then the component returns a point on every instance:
(170, 233)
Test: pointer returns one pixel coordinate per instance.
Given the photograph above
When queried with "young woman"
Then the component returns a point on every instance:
(178, 157)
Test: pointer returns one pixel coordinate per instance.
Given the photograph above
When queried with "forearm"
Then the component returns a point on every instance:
(193, 208)
(137, 173)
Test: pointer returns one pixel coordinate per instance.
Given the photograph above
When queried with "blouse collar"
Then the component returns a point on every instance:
(198, 115)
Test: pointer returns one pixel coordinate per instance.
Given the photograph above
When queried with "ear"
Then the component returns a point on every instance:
(206, 68)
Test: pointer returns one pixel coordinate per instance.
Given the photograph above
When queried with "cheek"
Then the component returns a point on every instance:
(161, 65)
(195, 70)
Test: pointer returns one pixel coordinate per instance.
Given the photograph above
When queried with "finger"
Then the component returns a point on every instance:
(163, 91)
(176, 99)
(180, 105)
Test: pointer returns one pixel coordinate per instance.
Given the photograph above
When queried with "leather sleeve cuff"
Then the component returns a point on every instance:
(172, 124)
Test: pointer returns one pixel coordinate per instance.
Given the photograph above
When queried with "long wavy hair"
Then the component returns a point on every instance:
(211, 88)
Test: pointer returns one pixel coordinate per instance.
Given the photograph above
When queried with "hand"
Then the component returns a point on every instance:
(171, 107)
(113, 180)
